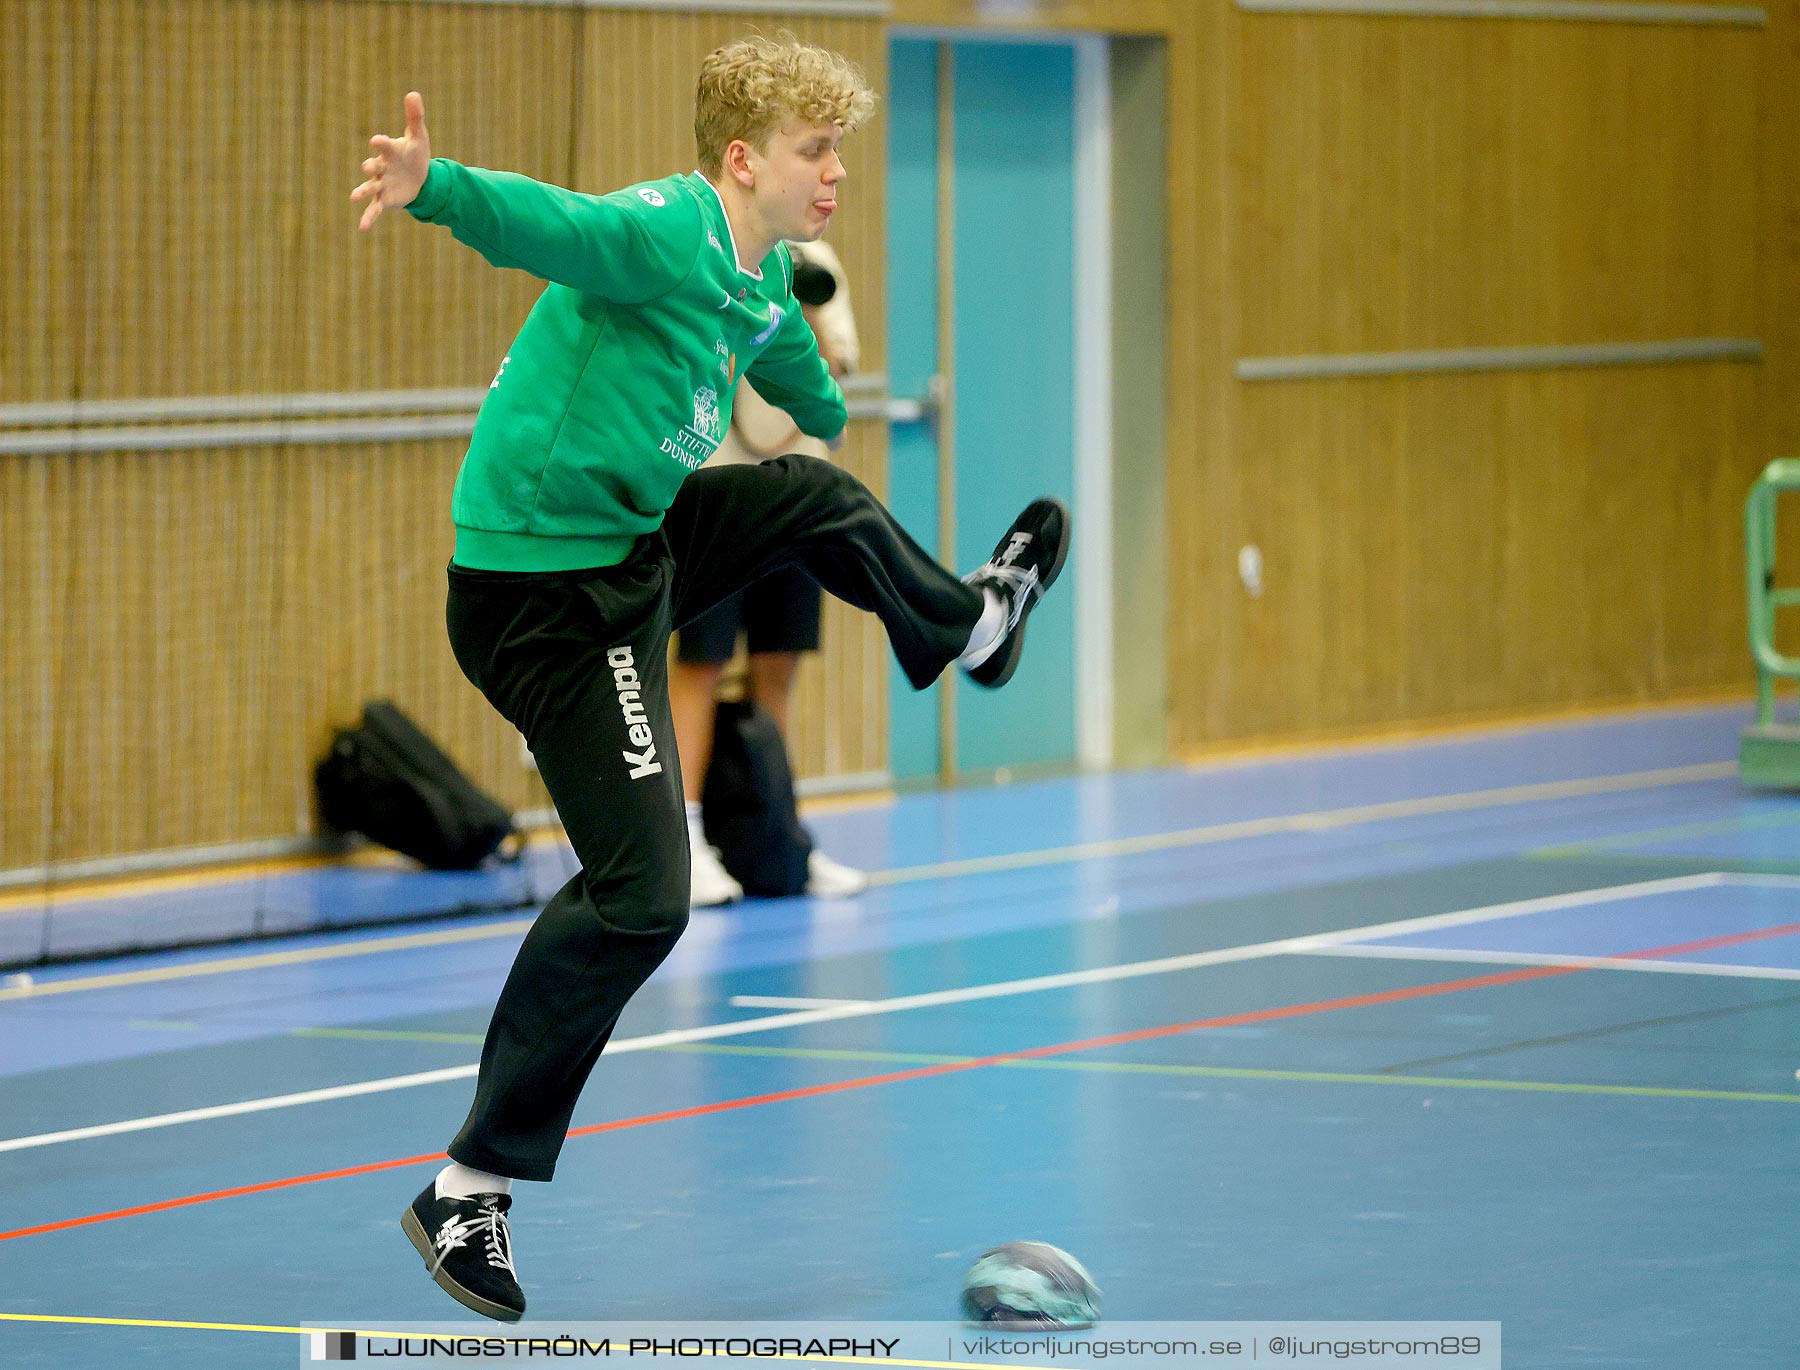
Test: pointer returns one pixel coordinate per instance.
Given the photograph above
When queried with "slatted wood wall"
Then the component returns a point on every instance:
(180, 631)
(1456, 547)
(1487, 543)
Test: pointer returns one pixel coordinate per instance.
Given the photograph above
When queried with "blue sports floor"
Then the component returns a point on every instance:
(1502, 1026)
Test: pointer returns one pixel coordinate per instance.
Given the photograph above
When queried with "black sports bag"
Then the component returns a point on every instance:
(390, 782)
(748, 807)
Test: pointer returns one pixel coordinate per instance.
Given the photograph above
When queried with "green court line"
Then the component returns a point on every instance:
(1590, 1034)
(1651, 862)
(460, 1039)
(1428, 1081)
(906, 1058)
(1670, 834)
(1245, 1073)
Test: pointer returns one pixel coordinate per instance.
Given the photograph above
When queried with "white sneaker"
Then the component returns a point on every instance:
(709, 883)
(828, 879)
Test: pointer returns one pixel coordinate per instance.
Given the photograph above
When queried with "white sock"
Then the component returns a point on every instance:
(989, 629)
(696, 830)
(462, 1182)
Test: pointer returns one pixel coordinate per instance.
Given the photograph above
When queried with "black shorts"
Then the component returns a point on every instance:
(779, 613)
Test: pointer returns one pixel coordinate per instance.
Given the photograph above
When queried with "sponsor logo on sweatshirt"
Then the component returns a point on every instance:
(775, 317)
(701, 438)
(631, 705)
(707, 423)
(652, 197)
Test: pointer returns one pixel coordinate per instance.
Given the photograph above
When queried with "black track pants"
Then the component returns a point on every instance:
(577, 661)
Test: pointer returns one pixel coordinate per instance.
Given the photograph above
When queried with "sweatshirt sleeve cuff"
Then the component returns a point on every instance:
(828, 418)
(434, 194)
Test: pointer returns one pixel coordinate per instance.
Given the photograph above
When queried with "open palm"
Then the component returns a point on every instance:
(397, 170)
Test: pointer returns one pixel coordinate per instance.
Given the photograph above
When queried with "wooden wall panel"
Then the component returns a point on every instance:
(26, 660)
(1430, 183)
(191, 234)
(1436, 547)
(194, 623)
(1090, 16)
(1204, 326)
(1472, 545)
(1779, 243)
(180, 632)
(1478, 544)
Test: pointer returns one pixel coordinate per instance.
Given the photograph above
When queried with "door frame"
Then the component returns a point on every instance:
(1091, 567)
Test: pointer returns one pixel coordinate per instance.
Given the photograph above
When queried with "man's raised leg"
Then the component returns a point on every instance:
(732, 524)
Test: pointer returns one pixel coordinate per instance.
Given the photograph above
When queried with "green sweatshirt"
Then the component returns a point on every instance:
(620, 382)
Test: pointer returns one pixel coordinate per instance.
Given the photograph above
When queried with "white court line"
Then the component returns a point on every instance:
(1049, 856)
(778, 1001)
(879, 1007)
(1526, 958)
(1605, 894)
(1312, 822)
(679, 1036)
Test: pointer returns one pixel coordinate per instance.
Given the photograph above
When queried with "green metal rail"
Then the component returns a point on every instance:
(1769, 753)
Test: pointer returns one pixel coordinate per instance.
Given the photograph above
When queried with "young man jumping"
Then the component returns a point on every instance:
(585, 535)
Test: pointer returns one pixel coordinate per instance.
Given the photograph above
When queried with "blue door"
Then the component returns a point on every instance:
(1012, 380)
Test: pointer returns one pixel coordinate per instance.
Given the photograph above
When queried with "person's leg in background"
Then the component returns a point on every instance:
(770, 682)
(703, 649)
(781, 614)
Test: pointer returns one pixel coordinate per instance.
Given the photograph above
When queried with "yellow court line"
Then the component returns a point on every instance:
(904, 1058)
(1230, 753)
(1354, 815)
(186, 1326)
(1473, 726)
(1200, 757)
(95, 888)
(1343, 817)
(266, 959)
(458, 1332)
(850, 799)
(118, 887)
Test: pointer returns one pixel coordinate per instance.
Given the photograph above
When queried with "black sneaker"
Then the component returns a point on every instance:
(467, 1246)
(1024, 565)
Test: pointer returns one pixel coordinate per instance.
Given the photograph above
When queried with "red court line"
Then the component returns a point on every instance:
(1263, 1015)
(1730, 939)
(262, 1188)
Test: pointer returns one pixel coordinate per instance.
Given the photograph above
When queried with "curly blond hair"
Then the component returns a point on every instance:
(748, 89)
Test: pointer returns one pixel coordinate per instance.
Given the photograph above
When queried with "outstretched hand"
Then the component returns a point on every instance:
(397, 170)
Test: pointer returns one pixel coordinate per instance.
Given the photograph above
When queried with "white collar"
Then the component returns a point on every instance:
(739, 261)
